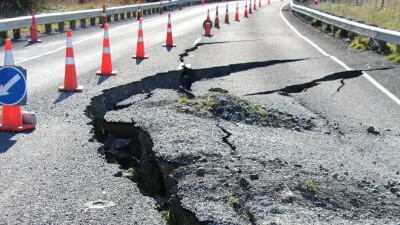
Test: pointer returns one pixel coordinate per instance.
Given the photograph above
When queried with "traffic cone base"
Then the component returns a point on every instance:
(12, 120)
(31, 41)
(16, 129)
(65, 89)
(144, 57)
(165, 45)
(113, 73)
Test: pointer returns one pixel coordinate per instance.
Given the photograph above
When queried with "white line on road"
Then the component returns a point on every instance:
(196, 41)
(365, 75)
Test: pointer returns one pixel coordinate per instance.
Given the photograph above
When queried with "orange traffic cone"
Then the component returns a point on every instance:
(227, 14)
(207, 25)
(139, 12)
(237, 12)
(161, 7)
(269, 2)
(254, 5)
(202, 2)
(259, 3)
(245, 11)
(11, 119)
(70, 80)
(106, 64)
(216, 21)
(250, 11)
(34, 31)
(140, 44)
(104, 20)
(169, 42)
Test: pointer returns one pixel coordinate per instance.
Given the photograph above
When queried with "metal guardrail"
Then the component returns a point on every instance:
(374, 32)
(26, 21)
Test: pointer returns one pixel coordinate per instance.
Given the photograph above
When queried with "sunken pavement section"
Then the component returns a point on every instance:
(216, 158)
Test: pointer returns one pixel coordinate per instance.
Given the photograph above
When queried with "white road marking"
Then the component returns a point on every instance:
(365, 75)
(196, 41)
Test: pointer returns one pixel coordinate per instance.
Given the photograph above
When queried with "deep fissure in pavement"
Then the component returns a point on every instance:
(131, 147)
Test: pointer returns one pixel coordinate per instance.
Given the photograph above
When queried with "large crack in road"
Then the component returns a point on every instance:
(132, 146)
(298, 88)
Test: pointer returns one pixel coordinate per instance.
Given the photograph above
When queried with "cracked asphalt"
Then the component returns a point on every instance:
(206, 171)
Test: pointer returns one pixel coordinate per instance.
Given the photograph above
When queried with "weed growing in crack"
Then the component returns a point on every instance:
(312, 187)
(234, 201)
(182, 100)
(169, 218)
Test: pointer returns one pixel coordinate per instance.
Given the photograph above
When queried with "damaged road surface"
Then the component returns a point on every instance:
(215, 158)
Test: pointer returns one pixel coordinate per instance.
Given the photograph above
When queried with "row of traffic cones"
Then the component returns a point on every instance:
(70, 79)
(206, 23)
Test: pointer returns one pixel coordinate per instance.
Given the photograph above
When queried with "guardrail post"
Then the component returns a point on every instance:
(109, 18)
(48, 28)
(343, 33)
(383, 47)
(3, 37)
(315, 23)
(144, 12)
(17, 34)
(61, 26)
(92, 21)
(397, 49)
(115, 17)
(128, 15)
(83, 22)
(153, 10)
(351, 35)
(122, 16)
(72, 24)
(101, 20)
(157, 10)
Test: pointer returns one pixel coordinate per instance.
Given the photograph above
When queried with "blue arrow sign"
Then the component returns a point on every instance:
(12, 86)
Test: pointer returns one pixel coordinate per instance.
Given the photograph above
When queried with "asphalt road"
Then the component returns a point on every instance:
(49, 174)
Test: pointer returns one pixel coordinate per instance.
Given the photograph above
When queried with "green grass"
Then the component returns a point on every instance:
(360, 43)
(394, 57)
(386, 17)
